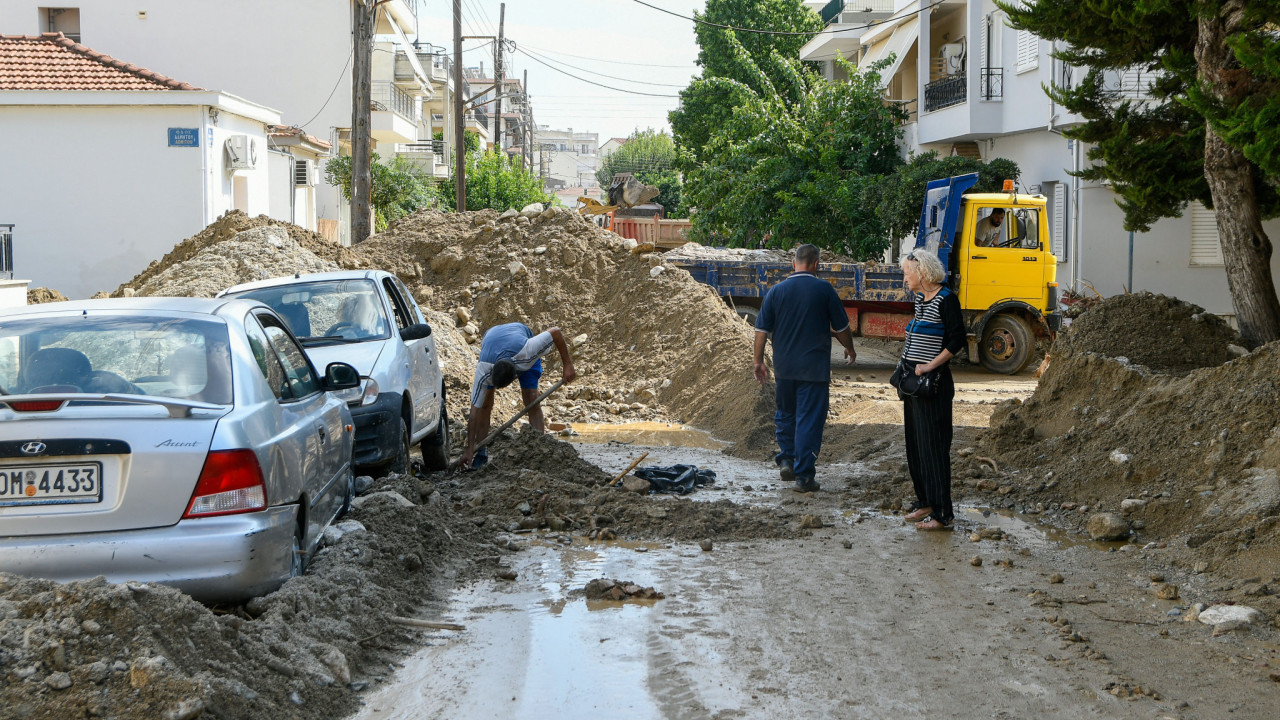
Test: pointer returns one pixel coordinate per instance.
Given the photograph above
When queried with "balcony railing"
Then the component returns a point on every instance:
(1131, 84)
(992, 83)
(945, 93)
(857, 11)
(434, 147)
(831, 11)
(481, 116)
(387, 96)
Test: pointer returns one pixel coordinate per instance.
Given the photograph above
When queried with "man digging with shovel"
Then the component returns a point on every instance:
(508, 352)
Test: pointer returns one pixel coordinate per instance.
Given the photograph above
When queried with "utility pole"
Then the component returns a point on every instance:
(361, 101)
(459, 126)
(527, 137)
(499, 75)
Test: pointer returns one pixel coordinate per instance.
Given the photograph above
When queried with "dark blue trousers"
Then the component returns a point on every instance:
(801, 415)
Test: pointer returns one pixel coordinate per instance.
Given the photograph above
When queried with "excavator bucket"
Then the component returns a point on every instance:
(594, 207)
(626, 191)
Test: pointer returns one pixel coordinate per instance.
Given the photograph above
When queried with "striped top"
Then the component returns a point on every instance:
(937, 325)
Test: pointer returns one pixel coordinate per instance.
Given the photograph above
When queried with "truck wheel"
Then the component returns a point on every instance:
(435, 447)
(1006, 344)
(747, 312)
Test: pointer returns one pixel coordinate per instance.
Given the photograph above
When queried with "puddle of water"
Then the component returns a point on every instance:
(1033, 532)
(549, 654)
(653, 434)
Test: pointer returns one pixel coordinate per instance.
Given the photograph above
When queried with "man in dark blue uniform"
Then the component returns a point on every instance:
(803, 313)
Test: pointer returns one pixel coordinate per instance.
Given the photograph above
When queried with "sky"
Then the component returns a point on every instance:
(645, 51)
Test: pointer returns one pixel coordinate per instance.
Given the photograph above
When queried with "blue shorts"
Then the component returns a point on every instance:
(529, 378)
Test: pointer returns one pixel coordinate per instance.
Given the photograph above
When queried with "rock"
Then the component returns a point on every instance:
(1131, 504)
(1156, 577)
(58, 681)
(547, 214)
(509, 214)
(976, 561)
(1225, 618)
(540, 250)
(810, 522)
(532, 209)
(91, 627)
(337, 531)
(657, 270)
(645, 247)
(628, 244)
(1056, 578)
(705, 545)
(463, 315)
(579, 340)
(363, 483)
(848, 544)
(1108, 526)
(145, 671)
(97, 672)
(524, 508)
(517, 269)
(507, 574)
(383, 496)
(1120, 458)
(634, 484)
(411, 562)
(1167, 591)
(188, 709)
(1237, 350)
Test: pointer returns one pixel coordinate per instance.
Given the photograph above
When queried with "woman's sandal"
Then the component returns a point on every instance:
(929, 523)
(918, 512)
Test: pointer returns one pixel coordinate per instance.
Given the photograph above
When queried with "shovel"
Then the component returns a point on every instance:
(453, 465)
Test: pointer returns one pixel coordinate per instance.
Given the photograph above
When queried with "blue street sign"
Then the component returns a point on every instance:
(184, 137)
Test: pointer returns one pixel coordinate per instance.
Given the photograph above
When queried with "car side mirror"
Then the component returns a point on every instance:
(416, 331)
(341, 376)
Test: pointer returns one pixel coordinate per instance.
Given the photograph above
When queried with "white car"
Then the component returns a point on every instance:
(174, 440)
(367, 318)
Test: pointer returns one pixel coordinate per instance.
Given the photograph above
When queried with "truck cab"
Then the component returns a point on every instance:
(995, 247)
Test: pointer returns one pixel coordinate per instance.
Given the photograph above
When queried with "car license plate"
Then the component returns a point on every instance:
(50, 484)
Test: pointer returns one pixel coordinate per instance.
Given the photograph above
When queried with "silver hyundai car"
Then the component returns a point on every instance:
(174, 440)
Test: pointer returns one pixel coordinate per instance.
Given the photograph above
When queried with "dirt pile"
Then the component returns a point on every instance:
(1188, 456)
(534, 481)
(200, 262)
(93, 649)
(646, 337)
(38, 295)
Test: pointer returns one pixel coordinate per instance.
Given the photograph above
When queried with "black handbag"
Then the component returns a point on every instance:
(909, 384)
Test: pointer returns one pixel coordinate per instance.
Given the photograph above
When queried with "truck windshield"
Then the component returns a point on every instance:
(327, 311)
(135, 355)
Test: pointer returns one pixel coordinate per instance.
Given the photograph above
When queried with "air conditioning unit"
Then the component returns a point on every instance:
(242, 152)
(304, 173)
(952, 56)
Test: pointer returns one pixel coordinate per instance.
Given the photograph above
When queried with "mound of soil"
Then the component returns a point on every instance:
(38, 295)
(1195, 452)
(534, 481)
(1162, 333)
(93, 649)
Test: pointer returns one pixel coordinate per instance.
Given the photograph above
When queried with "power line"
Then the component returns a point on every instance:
(611, 77)
(590, 82)
(787, 32)
(612, 62)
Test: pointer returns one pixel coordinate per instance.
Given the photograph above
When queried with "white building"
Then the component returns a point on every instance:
(294, 55)
(974, 86)
(569, 158)
(107, 165)
(611, 145)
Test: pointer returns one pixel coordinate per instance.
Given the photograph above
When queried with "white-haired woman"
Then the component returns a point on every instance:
(934, 336)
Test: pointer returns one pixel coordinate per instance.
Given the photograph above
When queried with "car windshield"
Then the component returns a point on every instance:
(97, 352)
(327, 311)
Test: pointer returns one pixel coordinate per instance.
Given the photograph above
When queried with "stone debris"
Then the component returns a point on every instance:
(1225, 618)
(619, 590)
(1108, 526)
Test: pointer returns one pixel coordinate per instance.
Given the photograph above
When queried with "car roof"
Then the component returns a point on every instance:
(185, 305)
(307, 277)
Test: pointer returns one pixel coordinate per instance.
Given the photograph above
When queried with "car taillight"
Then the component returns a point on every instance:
(230, 482)
(36, 406)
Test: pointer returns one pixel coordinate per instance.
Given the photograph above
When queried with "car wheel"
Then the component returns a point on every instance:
(436, 446)
(1006, 344)
(349, 494)
(399, 464)
(297, 555)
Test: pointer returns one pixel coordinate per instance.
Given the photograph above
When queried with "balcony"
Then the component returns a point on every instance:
(854, 12)
(1129, 84)
(427, 155)
(945, 92)
(991, 85)
(396, 114)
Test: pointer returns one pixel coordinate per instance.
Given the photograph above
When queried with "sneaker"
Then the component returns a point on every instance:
(807, 484)
(786, 470)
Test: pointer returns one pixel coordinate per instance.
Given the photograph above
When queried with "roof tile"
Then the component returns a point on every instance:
(54, 62)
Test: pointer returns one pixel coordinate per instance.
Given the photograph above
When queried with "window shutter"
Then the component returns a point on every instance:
(984, 59)
(1058, 218)
(1028, 51)
(1206, 248)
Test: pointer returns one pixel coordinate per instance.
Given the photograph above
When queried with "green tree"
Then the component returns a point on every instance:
(1207, 132)
(399, 187)
(650, 156)
(898, 197)
(497, 183)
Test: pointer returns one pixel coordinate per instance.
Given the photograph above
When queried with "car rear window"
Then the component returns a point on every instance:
(330, 311)
(102, 353)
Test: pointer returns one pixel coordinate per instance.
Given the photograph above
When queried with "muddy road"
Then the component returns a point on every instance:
(863, 617)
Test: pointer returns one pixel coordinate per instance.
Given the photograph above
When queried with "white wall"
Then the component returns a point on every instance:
(95, 193)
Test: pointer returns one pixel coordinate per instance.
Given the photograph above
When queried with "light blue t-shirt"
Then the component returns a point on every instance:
(514, 342)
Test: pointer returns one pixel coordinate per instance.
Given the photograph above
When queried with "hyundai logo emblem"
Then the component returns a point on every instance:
(35, 447)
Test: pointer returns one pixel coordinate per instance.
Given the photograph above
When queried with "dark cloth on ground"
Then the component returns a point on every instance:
(678, 479)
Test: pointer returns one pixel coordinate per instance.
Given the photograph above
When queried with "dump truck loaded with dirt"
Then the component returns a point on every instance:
(1006, 278)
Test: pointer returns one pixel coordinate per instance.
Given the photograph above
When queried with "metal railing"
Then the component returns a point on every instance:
(861, 10)
(831, 11)
(945, 93)
(1132, 84)
(6, 251)
(481, 116)
(386, 96)
(992, 83)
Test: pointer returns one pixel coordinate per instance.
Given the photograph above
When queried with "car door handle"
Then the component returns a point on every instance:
(977, 257)
(321, 432)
